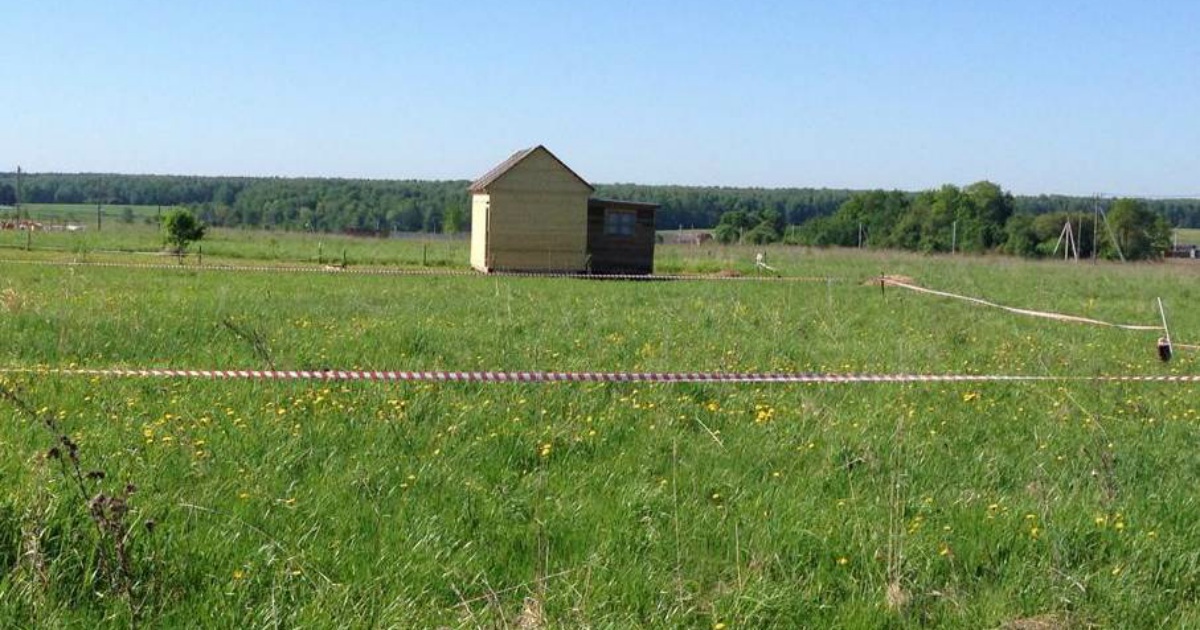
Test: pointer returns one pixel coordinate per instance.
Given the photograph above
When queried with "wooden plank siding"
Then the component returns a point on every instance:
(533, 213)
(534, 218)
(625, 254)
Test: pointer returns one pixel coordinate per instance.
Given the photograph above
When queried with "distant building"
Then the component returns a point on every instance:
(692, 237)
(1183, 251)
(533, 213)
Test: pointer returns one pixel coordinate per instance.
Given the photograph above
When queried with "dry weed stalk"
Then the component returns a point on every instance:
(107, 512)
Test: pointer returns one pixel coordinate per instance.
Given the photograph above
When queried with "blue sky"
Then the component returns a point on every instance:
(1062, 96)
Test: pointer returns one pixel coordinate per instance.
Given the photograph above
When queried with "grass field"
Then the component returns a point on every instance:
(85, 214)
(422, 505)
(1186, 235)
(141, 243)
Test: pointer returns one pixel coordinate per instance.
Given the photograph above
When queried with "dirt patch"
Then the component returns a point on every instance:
(874, 282)
(532, 616)
(896, 597)
(1048, 621)
(11, 301)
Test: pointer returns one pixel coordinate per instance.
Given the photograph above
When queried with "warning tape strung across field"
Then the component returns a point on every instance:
(581, 377)
(1019, 311)
(379, 271)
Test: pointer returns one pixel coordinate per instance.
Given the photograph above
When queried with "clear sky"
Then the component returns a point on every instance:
(1038, 96)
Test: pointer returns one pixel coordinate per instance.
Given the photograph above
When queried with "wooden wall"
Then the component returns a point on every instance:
(479, 210)
(621, 254)
(537, 219)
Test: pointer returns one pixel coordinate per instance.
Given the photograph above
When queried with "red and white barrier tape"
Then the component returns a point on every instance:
(379, 271)
(1019, 311)
(582, 377)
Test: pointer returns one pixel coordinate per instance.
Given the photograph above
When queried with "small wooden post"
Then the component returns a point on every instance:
(343, 258)
(200, 255)
(320, 253)
(425, 255)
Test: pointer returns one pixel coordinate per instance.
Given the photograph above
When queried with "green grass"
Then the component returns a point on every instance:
(1187, 235)
(425, 505)
(139, 243)
(85, 214)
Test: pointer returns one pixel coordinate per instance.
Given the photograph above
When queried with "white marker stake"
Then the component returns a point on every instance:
(1164, 344)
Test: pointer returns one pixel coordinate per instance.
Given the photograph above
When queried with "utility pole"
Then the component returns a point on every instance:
(954, 237)
(1095, 224)
(98, 214)
(18, 193)
(1112, 235)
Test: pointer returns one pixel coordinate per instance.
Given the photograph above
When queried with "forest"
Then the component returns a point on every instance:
(978, 218)
(384, 206)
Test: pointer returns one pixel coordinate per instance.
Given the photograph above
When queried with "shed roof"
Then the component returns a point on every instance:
(617, 204)
(490, 177)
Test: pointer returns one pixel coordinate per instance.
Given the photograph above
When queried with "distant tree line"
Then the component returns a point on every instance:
(386, 205)
(751, 214)
(984, 218)
(702, 206)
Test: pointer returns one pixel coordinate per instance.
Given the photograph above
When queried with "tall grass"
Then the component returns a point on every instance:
(426, 505)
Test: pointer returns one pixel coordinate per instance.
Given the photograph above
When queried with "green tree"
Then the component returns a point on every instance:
(761, 234)
(432, 222)
(180, 228)
(453, 221)
(992, 209)
(731, 226)
(1141, 233)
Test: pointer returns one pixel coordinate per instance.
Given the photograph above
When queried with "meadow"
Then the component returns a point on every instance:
(1185, 235)
(142, 242)
(254, 503)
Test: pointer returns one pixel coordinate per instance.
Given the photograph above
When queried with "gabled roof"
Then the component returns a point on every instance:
(490, 177)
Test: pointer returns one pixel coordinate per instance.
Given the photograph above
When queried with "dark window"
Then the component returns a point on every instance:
(619, 222)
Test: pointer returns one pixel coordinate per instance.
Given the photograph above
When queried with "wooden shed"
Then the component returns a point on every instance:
(621, 236)
(529, 214)
(533, 213)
